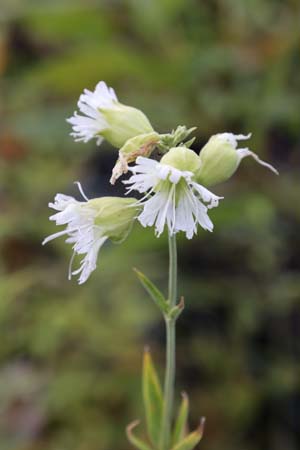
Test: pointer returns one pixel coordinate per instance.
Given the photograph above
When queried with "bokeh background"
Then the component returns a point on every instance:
(71, 356)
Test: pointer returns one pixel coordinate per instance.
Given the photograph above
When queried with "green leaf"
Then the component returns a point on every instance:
(153, 399)
(192, 439)
(137, 442)
(180, 427)
(153, 291)
(190, 142)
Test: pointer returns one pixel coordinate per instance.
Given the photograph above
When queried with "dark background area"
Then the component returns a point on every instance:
(71, 355)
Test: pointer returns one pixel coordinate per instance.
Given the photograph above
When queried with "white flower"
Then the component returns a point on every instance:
(172, 198)
(104, 117)
(89, 224)
(233, 139)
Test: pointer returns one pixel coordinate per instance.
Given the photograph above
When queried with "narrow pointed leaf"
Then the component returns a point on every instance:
(153, 291)
(180, 428)
(190, 142)
(135, 441)
(191, 440)
(191, 130)
(153, 399)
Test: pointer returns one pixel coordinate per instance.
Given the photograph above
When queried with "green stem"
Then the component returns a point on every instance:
(172, 296)
(170, 352)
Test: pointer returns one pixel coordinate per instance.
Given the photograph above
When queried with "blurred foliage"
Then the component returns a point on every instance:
(71, 356)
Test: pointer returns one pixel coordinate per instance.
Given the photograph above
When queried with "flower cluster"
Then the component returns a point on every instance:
(174, 189)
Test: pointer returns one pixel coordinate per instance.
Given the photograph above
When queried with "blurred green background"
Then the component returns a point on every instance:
(71, 356)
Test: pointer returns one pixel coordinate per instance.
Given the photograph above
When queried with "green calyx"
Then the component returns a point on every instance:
(182, 158)
(124, 122)
(115, 216)
(219, 160)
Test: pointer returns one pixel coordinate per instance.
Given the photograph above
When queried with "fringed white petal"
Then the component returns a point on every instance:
(244, 152)
(89, 262)
(92, 122)
(233, 139)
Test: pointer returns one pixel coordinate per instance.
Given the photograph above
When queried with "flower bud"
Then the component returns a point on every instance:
(141, 145)
(182, 158)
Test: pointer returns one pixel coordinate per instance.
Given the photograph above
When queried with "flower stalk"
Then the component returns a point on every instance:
(170, 321)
